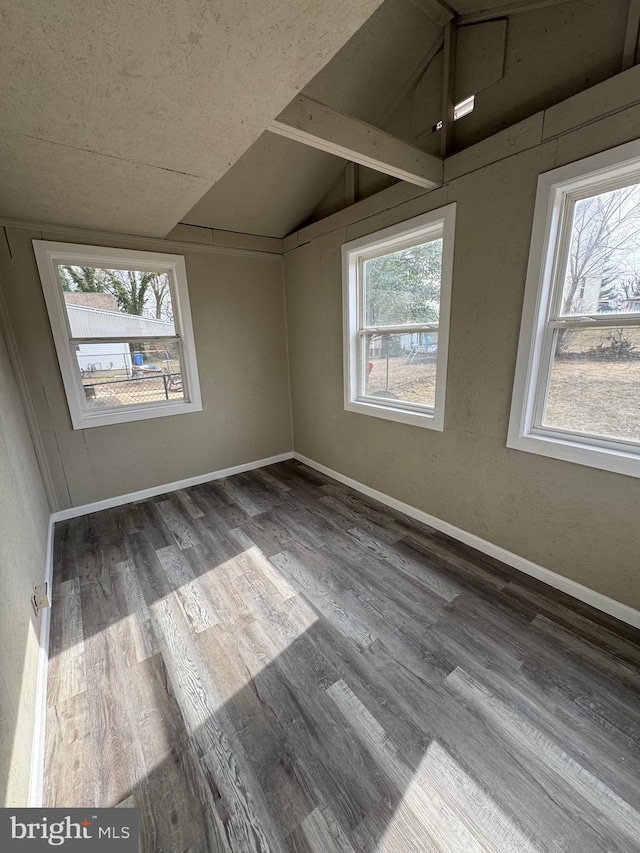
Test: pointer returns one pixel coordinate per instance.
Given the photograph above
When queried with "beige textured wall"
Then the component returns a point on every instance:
(238, 320)
(577, 521)
(23, 542)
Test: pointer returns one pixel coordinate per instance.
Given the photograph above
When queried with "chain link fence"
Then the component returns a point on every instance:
(107, 392)
(403, 367)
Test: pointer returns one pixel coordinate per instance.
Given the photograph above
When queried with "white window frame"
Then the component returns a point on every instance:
(557, 191)
(51, 254)
(438, 224)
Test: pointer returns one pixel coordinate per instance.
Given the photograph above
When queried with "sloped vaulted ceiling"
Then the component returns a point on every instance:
(120, 114)
(278, 182)
(516, 58)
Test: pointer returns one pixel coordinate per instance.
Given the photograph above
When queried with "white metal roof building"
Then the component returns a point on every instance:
(88, 322)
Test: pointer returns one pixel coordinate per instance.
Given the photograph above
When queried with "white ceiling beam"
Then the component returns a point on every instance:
(507, 9)
(328, 130)
(321, 127)
(630, 51)
(436, 11)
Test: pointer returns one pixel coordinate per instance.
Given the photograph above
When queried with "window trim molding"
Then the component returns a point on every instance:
(436, 224)
(48, 254)
(599, 172)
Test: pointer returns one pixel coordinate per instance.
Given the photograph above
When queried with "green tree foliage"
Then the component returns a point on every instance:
(83, 279)
(132, 289)
(404, 287)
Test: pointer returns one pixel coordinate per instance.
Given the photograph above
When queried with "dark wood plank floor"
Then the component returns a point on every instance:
(272, 662)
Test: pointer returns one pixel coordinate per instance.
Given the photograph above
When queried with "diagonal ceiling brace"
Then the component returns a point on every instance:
(328, 130)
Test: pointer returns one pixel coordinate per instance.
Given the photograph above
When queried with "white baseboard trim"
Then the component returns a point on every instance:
(143, 494)
(601, 602)
(36, 777)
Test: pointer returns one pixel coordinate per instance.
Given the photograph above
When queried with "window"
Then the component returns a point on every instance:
(460, 110)
(122, 329)
(577, 388)
(397, 293)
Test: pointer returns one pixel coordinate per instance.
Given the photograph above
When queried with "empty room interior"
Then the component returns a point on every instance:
(320, 422)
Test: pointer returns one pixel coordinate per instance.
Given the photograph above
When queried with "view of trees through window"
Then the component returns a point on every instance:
(145, 294)
(402, 289)
(594, 384)
(121, 321)
(603, 269)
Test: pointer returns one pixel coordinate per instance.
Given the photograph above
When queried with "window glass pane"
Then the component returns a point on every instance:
(595, 383)
(112, 303)
(402, 367)
(404, 287)
(126, 374)
(603, 267)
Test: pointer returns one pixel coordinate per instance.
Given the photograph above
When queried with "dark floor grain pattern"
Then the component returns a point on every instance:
(272, 662)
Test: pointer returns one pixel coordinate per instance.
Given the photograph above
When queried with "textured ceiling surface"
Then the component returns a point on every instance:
(365, 79)
(121, 114)
(270, 190)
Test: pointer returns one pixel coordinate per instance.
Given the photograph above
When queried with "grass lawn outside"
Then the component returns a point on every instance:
(598, 397)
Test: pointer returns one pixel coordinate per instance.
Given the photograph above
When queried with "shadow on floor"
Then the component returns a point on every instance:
(272, 663)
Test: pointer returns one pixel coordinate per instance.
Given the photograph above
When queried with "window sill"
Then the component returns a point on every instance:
(426, 419)
(593, 456)
(88, 420)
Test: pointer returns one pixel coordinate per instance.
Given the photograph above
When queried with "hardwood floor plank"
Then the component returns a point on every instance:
(65, 551)
(353, 513)
(416, 570)
(392, 830)
(548, 761)
(176, 520)
(69, 783)
(560, 607)
(114, 743)
(275, 578)
(178, 810)
(247, 821)
(425, 806)
(328, 763)
(196, 606)
(592, 699)
(275, 663)
(462, 567)
(471, 803)
(66, 646)
(615, 766)
(324, 836)
(242, 497)
(602, 659)
(482, 751)
(552, 668)
(258, 729)
(183, 496)
(350, 626)
(267, 476)
(136, 636)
